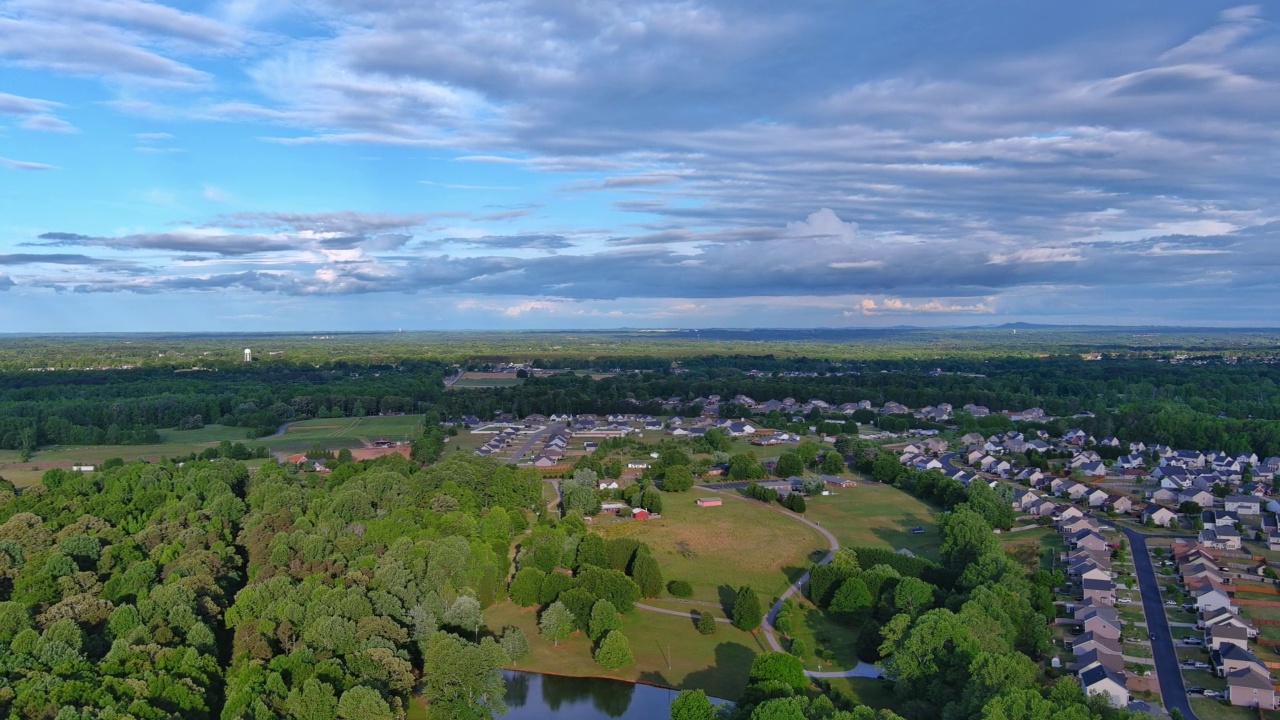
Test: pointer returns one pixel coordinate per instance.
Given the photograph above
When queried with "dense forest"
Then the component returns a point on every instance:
(200, 591)
(1228, 406)
(124, 407)
(608, 349)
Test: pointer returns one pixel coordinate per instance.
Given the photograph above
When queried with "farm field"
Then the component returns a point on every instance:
(669, 651)
(718, 549)
(877, 515)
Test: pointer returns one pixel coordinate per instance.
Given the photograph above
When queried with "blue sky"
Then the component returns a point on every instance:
(381, 164)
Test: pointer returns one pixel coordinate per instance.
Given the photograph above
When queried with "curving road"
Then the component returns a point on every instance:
(1172, 690)
(865, 670)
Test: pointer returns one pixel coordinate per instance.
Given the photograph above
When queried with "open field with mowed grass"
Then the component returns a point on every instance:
(336, 433)
(669, 651)
(717, 549)
(877, 515)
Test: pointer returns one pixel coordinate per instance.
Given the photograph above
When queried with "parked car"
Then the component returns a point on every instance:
(1200, 664)
(1171, 603)
(1195, 690)
(917, 530)
(1124, 601)
(1193, 641)
(1214, 694)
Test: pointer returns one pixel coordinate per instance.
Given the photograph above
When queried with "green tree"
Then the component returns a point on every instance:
(747, 613)
(808, 451)
(604, 619)
(832, 463)
(706, 623)
(462, 680)
(591, 551)
(557, 623)
(647, 574)
(363, 703)
(779, 667)
(692, 705)
(852, 600)
(614, 651)
(789, 465)
(514, 643)
(677, 478)
(526, 585)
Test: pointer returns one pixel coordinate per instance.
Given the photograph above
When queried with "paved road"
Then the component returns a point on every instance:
(1172, 691)
(533, 438)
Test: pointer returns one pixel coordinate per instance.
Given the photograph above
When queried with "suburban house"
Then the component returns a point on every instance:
(1208, 599)
(1251, 688)
(1219, 635)
(1101, 624)
(1243, 504)
(1220, 538)
(1088, 539)
(1164, 517)
(1231, 658)
(1096, 497)
(1101, 680)
(1088, 642)
(1223, 616)
(1098, 591)
(1095, 657)
(1119, 504)
(1165, 496)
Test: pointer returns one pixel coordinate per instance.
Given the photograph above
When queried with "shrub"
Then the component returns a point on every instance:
(680, 589)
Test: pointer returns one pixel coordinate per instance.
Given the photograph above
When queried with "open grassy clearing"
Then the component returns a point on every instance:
(669, 651)
(864, 691)
(335, 433)
(877, 515)
(718, 549)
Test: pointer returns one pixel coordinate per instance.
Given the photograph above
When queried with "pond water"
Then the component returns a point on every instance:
(531, 696)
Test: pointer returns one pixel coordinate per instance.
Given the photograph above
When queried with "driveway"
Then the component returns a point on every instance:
(1163, 651)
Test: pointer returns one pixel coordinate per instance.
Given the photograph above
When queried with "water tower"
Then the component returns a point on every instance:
(248, 355)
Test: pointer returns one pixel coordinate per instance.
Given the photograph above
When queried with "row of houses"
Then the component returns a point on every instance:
(1098, 658)
(1226, 632)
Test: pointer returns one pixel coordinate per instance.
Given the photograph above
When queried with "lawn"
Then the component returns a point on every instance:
(1207, 709)
(864, 691)
(669, 651)
(718, 549)
(877, 515)
(821, 632)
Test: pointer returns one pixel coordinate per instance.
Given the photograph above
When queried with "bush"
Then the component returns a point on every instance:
(707, 624)
(680, 589)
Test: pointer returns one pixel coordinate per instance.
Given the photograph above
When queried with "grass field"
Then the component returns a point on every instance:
(332, 433)
(877, 515)
(1207, 709)
(669, 651)
(337, 433)
(718, 549)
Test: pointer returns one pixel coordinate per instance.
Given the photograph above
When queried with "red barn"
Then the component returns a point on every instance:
(640, 514)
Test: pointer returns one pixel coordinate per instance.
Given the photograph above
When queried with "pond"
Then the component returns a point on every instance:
(531, 696)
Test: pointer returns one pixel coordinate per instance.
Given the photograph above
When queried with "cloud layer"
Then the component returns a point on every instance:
(830, 162)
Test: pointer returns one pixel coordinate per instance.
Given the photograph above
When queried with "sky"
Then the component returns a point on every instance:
(265, 165)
